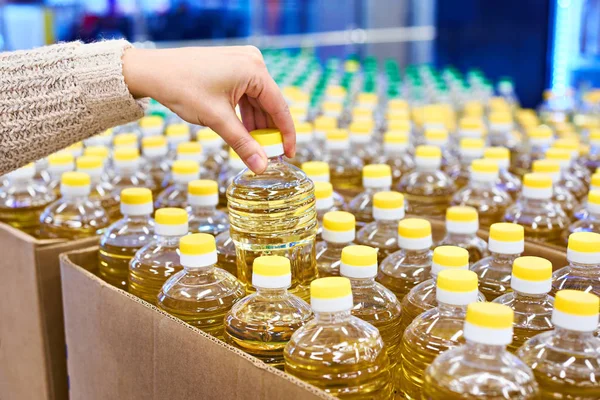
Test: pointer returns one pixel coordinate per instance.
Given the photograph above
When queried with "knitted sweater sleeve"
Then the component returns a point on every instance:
(54, 96)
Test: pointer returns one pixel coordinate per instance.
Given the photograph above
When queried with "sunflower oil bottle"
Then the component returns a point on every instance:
(403, 270)
(436, 330)
(213, 154)
(325, 203)
(318, 171)
(274, 213)
(592, 160)
(234, 166)
(101, 189)
(322, 125)
(471, 128)
(531, 281)
(362, 140)
(121, 240)
(226, 254)
(375, 178)
(154, 263)
(304, 144)
(422, 297)
(572, 145)
(201, 294)
(470, 149)
(581, 212)
(397, 154)
(345, 168)
(583, 271)
(591, 221)
(151, 125)
(501, 129)
(427, 190)
(128, 173)
(59, 163)
(440, 138)
(482, 368)
(74, 215)
(154, 150)
(339, 231)
(462, 224)
(176, 134)
(566, 178)
(482, 193)
(506, 180)
(22, 200)
(127, 140)
(382, 234)
(505, 244)
(560, 194)
(543, 219)
(76, 149)
(539, 140)
(373, 302)
(101, 139)
(566, 361)
(262, 323)
(176, 195)
(103, 153)
(190, 151)
(202, 200)
(337, 352)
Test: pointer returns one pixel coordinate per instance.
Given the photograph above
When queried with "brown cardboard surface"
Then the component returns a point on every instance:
(32, 346)
(121, 347)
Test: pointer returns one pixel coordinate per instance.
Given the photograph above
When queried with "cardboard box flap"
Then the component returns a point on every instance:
(126, 348)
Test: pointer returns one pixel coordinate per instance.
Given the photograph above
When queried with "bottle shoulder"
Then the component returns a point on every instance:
(529, 313)
(157, 254)
(129, 233)
(33, 195)
(278, 176)
(433, 324)
(373, 299)
(274, 311)
(194, 286)
(66, 209)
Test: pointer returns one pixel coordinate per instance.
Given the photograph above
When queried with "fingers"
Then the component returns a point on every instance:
(247, 112)
(235, 134)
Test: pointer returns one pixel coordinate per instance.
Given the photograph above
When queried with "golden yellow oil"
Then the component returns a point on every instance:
(399, 286)
(410, 311)
(435, 391)
(147, 275)
(421, 203)
(569, 387)
(544, 234)
(114, 264)
(26, 219)
(346, 181)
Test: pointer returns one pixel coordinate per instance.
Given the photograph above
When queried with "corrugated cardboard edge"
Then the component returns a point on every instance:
(251, 378)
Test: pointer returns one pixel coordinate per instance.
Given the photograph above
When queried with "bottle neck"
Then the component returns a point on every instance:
(207, 269)
(362, 282)
(75, 198)
(203, 210)
(483, 185)
(376, 189)
(169, 241)
(483, 351)
(570, 338)
(505, 259)
(272, 293)
(459, 237)
(587, 269)
(528, 297)
(416, 253)
(338, 246)
(454, 310)
(387, 223)
(333, 317)
(138, 219)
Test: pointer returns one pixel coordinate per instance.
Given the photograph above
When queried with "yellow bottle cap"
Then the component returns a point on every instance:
(461, 214)
(189, 148)
(473, 109)
(558, 154)
(472, 143)
(595, 180)
(337, 135)
(388, 200)
(337, 91)
(154, 141)
(594, 134)
(414, 228)
(174, 130)
(484, 166)
(271, 266)
(151, 121)
(376, 171)
(171, 216)
(316, 168)
(537, 181)
(136, 196)
(207, 135)
(333, 287)
(576, 302)
(332, 107)
(185, 167)
(569, 144)
(500, 117)
(61, 158)
(532, 269)
(471, 123)
(498, 102)
(501, 153)
(75, 179)
(367, 98)
(203, 187)
(233, 154)
(449, 257)
(490, 315)
(89, 162)
(594, 196)
(426, 151)
(540, 132)
(339, 221)
(546, 166)
(434, 135)
(126, 154)
(584, 242)
(402, 125)
(361, 127)
(267, 137)
(365, 114)
(397, 104)
(457, 280)
(400, 137)
(97, 151)
(359, 256)
(325, 123)
(507, 232)
(304, 128)
(125, 139)
(323, 190)
(197, 244)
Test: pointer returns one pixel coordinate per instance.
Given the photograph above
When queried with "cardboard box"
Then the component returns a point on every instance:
(121, 347)
(32, 344)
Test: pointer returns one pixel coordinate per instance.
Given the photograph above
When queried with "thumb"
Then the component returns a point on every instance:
(231, 129)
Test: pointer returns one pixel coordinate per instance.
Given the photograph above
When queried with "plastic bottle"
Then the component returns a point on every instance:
(542, 218)
(482, 368)
(440, 138)
(22, 200)
(101, 139)
(262, 323)
(121, 240)
(436, 330)
(539, 140)
(373, 302)
(151, 125)
(234, 166)
(337, 352)
(560, 194)
(226, 254)
(345, 169)
(382, 234)
(428, 190)
(202, 200)
(190, 151)
(154, 149)
(411, 265)
(462, 224)
(339, 231)
(566, 178)
(176, 195)
(581, 212)
(318, 171)
(154, 263)
(304, 144)
(202, 293)
(324, 200)
(506, 180)
(126, 140)
(375, 178)
(126, 162)
(274, 213)
(104, 153)
(59, 163)
(361, 140)
(566, 361)
(422, 297)
(176, 133)
(592, 159)
(213, 154)
(397, 154)
(323, 124)
(101, 189)
(470, 149)
(74, 215)
(471, 128)
(500, 129)
(583, 271)
(572, 145)
(591, 221)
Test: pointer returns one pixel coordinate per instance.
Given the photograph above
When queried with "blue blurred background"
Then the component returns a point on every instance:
(539, 44)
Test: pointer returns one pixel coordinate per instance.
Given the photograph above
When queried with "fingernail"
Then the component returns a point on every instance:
(256, 163)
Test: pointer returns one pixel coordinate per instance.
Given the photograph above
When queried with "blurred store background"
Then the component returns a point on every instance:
(538, 43)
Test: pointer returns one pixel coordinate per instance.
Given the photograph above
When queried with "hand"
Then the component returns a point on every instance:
(204, 84)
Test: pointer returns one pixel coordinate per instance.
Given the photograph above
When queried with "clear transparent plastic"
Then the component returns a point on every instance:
(366, 152)
(476, 246)
(159, 170)
(101, 192)
(342, 355)
(576, 276)
(543, 220)
(508, 182)
(207, 219)
(201, 297)
(263, 323)
(118, 245)
(574, 185)
(226, 257)
(405, 269)
(125, 178)
(73, 217)
(175, 195)
(567, 201)
(428, 192)
(361, 206)
(338, 205)
(589, 223)
(226, 175)
(304, 153)
(274, 213)
(381, 235)
(22, 203)
(494, 274)
(214, 159)
(329, 256)
(345, 172)
(490, 201)
(565, 363)
(526, 155)
(400, 163)
(479, 371)
(533, 315)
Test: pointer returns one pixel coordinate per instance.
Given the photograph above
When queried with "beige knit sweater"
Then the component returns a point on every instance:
(54, 96)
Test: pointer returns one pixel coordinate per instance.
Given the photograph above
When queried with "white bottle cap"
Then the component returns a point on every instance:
(331, 294)
(506, 238)
(271, 272)
(457, 287)
(203, 193)
(531, 275)
(414, 234)
(136, 201)
(171, 222)
(197, 250)
(462, 220)
(338, 227)
(358, 262)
